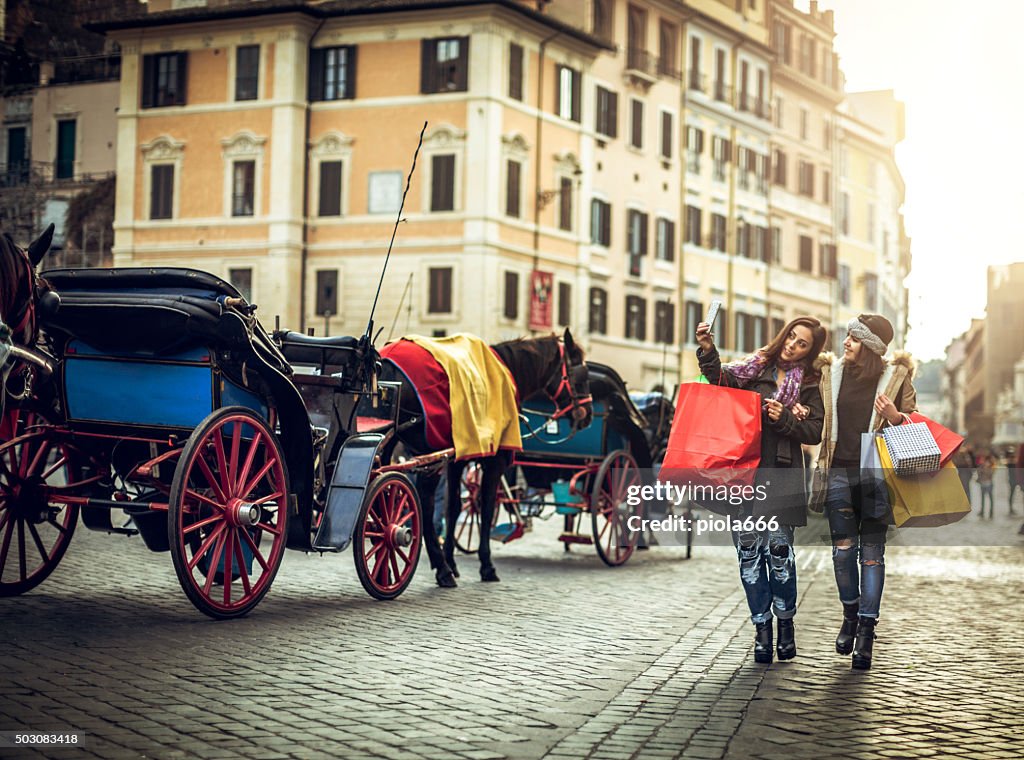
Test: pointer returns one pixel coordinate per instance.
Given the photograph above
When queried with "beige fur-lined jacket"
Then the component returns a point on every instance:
(895, 382)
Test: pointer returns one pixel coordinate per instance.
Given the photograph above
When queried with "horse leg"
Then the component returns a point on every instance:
(453, 507)
(426, 485)
(492, 468)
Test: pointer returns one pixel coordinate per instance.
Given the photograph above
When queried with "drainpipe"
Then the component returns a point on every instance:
(538, 141)
(732, 251)
(684, 100)
(304, 256)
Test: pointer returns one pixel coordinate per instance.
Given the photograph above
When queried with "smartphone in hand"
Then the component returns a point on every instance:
(713, 314)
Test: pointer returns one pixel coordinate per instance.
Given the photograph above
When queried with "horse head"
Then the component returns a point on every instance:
(569, 384)
(20, 288)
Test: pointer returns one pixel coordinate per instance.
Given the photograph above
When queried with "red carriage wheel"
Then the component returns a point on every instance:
(34, 529)
(228, 516)
(467, 524)
(609, 511)
(386, 546)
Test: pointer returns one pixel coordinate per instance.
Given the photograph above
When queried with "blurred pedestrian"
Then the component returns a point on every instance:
(986, 473)
(964, 461)
(1012, 475)
(863, 392)
(791, 414)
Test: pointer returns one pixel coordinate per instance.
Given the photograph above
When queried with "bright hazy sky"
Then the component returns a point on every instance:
(957, 68)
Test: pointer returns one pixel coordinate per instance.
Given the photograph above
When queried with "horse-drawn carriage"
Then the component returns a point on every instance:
(155, 403)
(583, 475)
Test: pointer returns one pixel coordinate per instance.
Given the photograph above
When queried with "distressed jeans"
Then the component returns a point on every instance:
(858, 543)
(768, 572)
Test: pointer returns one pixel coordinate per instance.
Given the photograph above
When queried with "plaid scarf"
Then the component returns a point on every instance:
(788, 393)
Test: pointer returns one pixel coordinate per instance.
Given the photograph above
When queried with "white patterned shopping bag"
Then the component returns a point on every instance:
(913, 449)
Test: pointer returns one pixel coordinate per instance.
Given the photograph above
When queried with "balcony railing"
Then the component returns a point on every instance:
(723, 92)
(46, 173)
(755, 105)
(93, 68)
(696, 81)
(641, 64)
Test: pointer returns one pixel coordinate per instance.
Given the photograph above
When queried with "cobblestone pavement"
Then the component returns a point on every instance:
(565, 659)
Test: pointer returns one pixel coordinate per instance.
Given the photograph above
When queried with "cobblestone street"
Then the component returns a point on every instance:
(565, 658)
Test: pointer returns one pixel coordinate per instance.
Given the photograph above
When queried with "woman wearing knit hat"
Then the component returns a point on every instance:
(862, 392)
(782, 373)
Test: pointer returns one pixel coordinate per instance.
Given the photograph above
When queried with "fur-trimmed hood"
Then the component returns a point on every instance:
(897, 359)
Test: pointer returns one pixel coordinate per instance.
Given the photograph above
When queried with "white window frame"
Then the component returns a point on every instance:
(243, 146)
(162, 150)
(442, 140)
(332, 146)
(261, 78)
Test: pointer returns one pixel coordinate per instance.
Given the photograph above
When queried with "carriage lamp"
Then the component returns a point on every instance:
(544, 197)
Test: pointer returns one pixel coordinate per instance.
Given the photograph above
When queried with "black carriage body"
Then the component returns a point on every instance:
(147, 353)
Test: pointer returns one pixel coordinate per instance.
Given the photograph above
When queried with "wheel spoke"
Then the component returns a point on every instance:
(222, 465)
(205, 546)
(404, 520)
(265, 499)
(236, 444)
(226, 574)
(394, 567)
(403, 555)
(61, 461)
(5, 547)
(249, 458)
(21, 549)
(205, 499)
(257, 555)
(44, 449)
(39, 543)
(218, 549)
(201, 524)
(375, 548)
(256, 479)
(243, 574)
(210, 478)
(274, 530)
(52, 521)
(604, 527)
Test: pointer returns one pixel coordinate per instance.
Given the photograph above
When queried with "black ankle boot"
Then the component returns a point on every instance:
(763, 643)
(864, 643)
(844, 641)
(786, 646)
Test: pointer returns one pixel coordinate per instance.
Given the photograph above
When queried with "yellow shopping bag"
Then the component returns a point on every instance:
(924, 501)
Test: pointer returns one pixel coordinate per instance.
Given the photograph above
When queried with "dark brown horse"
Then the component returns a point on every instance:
(549, 366)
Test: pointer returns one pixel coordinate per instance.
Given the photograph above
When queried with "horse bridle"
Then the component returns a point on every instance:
(572, 376)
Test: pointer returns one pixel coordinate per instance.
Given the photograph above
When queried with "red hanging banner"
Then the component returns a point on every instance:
(541, 285)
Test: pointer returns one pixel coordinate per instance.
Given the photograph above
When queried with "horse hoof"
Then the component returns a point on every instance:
(488, 575)
(446, 580)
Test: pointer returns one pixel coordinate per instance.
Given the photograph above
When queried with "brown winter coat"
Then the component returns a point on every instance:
(895, 383)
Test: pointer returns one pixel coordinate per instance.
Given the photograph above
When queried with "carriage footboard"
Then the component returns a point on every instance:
(348, 486)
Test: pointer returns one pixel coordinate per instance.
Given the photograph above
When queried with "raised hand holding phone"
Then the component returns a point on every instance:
(705, 338)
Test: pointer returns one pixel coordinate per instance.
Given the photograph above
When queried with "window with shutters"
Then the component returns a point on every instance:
(161, 191)
(743, 167)
(775, 252)
(870, 291)
(826, 186)
(332, 73)
(844, 284)
(763, 250)
(718, 234)
(664, 322)
(602, 18)
(668, 49)
(665, 240)
(567, 93)
(636, 39)
(743, 336)
(829, 262)
(565, 204)
(746, 102)
(636, 122)
(636, 230)
(762, 171)
(806, 254)
(247, 72)
(442, 182)
(607, 116)
(564, 304)
(806, 179)
(164, 76)
(439, 296)
(511, 309)
(327, 292)
(742, 239)
(515, 71)
(513, 188)
(696, 78)
(694, 149)
(693, 232)
(444, 65)
(779, 173)
(844, 213)
(778, 325)
(243, 188)
(804, 116)
(722, 333)
(694, 316)
(722, 92)
(600, 222)
(242, 280)
(667, 130)
(636, 318)
(330, 189)
(597, 320)
(720, 154)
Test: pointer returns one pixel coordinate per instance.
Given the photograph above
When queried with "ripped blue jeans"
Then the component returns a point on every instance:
(768, 572)
(855, 536)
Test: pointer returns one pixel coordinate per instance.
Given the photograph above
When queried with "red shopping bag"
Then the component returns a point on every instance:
(715, 437)
(947, 441)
